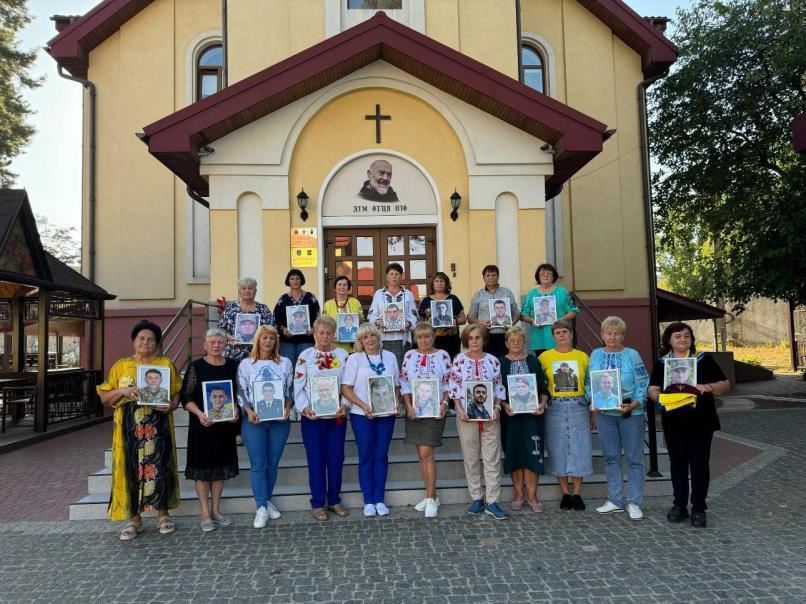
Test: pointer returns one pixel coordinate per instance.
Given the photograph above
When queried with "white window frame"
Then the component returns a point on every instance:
(545, 50)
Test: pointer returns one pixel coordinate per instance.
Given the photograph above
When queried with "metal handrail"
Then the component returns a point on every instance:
(592, 338)
(180, 329)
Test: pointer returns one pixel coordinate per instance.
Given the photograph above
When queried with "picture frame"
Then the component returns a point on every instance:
(442, 313)
(152, 381)
(544, 310)
(426, 398)
(565, 376)
(347, 323)
(381, 395)
(522, 393)
(475, 412)
(219, 400)
(246, 324)
(394, 316)
(606, 389)
(268, 410)
(500, 310)
(679, 371)
(298, 319)
(324, 395)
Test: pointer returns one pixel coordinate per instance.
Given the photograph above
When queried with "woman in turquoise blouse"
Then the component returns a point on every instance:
(542, 318)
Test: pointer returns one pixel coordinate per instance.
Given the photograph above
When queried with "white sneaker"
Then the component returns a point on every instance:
(382, 509)
(274, 513)
(634, 512)
(420, 507)
(431, 508)
(261, 517)
(369, 510)
(609, 507)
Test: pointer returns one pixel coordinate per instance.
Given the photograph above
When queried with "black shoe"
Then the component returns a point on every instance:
(698, 519)
(577, 503)
(565, 502)
(677, 514)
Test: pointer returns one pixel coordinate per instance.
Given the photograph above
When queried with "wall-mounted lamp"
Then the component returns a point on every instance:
(456, 201)
(302, 202)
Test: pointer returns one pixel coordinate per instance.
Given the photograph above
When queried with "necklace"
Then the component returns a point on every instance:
(341, 306)
(379, 368)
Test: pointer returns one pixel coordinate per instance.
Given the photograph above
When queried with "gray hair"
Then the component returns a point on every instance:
(247, 282)
(614, 322)
(216, 332)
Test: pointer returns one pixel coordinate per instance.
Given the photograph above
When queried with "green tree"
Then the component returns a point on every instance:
(15, 131)
(720, 130)
(59, 241)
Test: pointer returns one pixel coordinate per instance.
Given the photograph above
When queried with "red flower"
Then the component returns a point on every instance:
(149, 471)
(222, 302)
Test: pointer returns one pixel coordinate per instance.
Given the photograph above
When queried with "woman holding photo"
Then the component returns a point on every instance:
(525, 440)
(689, 430)
(246, 303)
(373, 434)
(540, 333)
(622, 428)
(426, 362)
(569, 419)
(264, 441)
(342, 302)
(399, 341)
(212, 455)
(323, 437)
(445, 338)
(291, 345)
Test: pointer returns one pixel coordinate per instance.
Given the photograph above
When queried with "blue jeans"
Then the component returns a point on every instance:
(264, 443)
(324, 449)
(292, 350)
(372, 438)
(615, 434)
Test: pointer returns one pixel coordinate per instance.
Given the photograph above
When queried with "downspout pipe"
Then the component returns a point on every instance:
(224, 45)
(519, 33)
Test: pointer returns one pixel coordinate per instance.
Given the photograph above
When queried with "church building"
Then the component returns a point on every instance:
(243, 138)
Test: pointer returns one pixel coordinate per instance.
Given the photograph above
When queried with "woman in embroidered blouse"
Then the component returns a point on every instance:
(247, 288)
(264, 441)
(622, 428)
(446, 338)
(540, 335)
(343, 302)
(292, 345)
(426, 363)
(479, 439)
(373, 434)
(323, 437)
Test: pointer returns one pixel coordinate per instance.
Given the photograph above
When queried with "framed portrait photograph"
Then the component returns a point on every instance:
(500, 314)
(394, 316)
(347, 326)
(219, 400)
(479, 401)
(154, 382)
(606, 388)
(269, 400)
(522, 392)
(425, 398)
(566, 376)
(545, 310)
(298, 319)
(324, 395)
(382, 399)
(442, 313)
(246, 324)
(680, 371)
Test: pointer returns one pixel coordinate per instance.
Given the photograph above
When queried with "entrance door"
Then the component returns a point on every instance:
(362, 255)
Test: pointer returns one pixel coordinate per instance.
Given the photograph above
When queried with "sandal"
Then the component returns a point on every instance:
(339, 510)
(166, 525)
(516, 505)
(319, 514)
(131, 530)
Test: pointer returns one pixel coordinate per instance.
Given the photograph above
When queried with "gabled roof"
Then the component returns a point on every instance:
(676, 307)
(176, 139)
(72, 46)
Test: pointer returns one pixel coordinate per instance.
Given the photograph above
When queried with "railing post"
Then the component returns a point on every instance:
(190, 334)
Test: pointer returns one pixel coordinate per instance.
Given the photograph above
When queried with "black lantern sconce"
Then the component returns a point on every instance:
(302, 202)
(456, 201)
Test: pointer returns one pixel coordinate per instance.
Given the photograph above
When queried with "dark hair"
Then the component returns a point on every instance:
(665, 340)
(343, 278)
(548, 267)
(149, 325)
(393, 266)
(291, 273)
(490, 268)
(445, 278)
(157, 371)
(562, 324)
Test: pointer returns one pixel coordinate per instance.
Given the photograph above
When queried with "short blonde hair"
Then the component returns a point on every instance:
(325, 321)
(615, 323)
(515, 331)
(423, 328)
(275, 354)
(367, 329)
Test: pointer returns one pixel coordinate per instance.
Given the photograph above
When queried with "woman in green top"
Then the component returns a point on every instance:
(542, 318)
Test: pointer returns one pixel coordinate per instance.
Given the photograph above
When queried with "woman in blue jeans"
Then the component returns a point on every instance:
(264, 440)
(622, 428)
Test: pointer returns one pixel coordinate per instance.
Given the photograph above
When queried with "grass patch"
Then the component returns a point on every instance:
(772, 356)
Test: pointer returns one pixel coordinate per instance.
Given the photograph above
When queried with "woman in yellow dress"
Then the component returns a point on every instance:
(343, 302)
(144, 476)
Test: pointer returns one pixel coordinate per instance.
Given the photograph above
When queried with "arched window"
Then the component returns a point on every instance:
(209, 71)
(533, 72)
